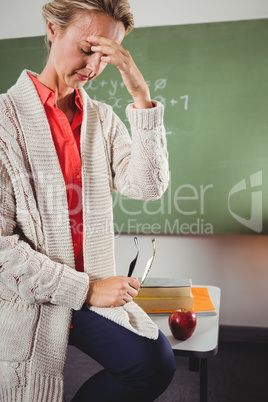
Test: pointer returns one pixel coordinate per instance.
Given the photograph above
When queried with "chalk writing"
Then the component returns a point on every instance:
(173, 102)
(160, 84)
(103, 83)
(114, 87)
(186, 97)
(115, 102)
(161, 99)
(114, 92)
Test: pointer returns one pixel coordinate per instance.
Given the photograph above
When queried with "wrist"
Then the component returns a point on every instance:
(152, 103)
(89, 293)
(142, 100)
(143, 104)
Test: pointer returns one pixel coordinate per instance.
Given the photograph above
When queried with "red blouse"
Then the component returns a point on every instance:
(66, 139)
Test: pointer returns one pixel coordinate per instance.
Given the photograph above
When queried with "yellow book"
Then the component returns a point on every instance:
(164, 304)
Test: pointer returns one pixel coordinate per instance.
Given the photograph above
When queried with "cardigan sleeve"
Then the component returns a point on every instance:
(140, 165)
(27, 272)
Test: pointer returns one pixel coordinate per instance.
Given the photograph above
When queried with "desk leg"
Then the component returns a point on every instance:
(203, 380)
(196, 364)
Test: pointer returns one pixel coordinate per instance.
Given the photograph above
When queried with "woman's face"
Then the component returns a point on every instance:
(72, 60)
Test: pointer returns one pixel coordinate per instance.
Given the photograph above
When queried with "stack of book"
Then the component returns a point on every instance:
(164, 295)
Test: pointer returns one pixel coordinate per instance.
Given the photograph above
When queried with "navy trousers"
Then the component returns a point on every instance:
(135, 368)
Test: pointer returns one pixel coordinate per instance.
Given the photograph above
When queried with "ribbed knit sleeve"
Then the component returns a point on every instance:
(140, 165)
(29, 273)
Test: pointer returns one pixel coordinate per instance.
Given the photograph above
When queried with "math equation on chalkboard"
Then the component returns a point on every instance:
(114, 93)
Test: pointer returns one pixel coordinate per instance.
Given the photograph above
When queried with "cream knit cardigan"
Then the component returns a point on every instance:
(39, 286)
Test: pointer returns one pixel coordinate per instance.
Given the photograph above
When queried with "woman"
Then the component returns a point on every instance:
(62, 155)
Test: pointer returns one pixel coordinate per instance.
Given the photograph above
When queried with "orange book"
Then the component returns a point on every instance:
(202, 302)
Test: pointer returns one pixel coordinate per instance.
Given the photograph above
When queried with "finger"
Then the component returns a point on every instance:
(109, 48)
(101, 40)
(105, 45)
(112, 55)
(132, 292)
(134, 283)
(127, 299)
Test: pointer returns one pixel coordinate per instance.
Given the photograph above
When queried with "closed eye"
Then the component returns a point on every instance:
(87, 53)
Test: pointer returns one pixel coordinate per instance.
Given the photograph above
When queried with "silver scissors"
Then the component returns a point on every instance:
(149, 264)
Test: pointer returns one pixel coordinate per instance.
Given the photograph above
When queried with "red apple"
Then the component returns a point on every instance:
(182, 323)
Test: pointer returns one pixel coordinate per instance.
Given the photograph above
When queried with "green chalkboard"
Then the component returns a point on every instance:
(212, 79)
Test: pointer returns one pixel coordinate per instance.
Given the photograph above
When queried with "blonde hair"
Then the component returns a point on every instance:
(63, 12)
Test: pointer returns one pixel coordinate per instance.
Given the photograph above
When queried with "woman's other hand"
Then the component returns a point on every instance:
(112, 292)
(113, 53)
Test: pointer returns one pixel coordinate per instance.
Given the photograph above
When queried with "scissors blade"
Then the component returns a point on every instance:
(146, 270)
(133, 263)
(149, 264)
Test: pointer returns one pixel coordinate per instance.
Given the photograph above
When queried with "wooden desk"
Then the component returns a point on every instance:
(201, 345)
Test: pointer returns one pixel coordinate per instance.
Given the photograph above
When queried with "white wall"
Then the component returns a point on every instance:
(239, 265)
(23, 18)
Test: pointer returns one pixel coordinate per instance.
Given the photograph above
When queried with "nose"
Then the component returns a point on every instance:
(94, 62)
